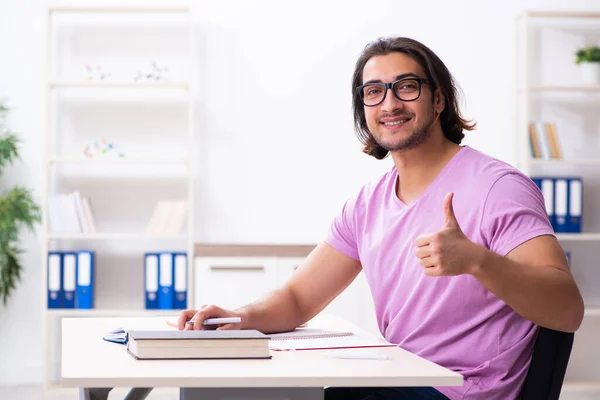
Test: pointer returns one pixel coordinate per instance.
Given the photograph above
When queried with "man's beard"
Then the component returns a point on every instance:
(419, 135)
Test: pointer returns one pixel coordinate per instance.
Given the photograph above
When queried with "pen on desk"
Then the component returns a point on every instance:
(218, 321)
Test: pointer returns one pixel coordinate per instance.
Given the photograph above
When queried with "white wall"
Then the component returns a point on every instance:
(274, 165)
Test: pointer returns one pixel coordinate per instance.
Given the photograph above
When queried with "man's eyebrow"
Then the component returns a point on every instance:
(398, 77)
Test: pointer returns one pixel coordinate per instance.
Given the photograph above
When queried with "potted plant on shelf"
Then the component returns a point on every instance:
(588, 59)
(17, 210)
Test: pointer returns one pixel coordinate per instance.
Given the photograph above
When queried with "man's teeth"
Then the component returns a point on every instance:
(396, 122)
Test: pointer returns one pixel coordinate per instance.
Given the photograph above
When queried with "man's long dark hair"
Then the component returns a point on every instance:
(453, 124)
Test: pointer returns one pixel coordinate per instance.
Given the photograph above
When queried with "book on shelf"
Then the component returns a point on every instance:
(202, 344)
(71, 213)
(543, 141)
(168, 218)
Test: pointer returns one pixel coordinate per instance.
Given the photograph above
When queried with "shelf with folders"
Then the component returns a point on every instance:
(558, 145)
(102, 279)
(119, 157)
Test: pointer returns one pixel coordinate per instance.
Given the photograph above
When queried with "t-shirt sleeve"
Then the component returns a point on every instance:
(342, 231)
(514, 212)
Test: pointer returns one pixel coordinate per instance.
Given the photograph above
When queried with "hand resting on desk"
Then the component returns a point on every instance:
(203, 313)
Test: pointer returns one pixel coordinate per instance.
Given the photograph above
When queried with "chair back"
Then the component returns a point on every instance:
(548, 365)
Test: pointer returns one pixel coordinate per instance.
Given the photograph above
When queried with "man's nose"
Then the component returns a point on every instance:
(391, 102)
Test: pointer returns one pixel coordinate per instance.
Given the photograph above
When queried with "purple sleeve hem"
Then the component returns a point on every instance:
(508, 247)
(342, 247)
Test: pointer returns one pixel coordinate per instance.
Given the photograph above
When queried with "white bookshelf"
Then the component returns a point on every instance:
(549, 88)
(144, 106)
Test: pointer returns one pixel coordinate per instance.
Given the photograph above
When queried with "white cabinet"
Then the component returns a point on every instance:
(231, 282)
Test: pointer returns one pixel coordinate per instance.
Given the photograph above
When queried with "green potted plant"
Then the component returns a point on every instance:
(588, 58)
(17, 210)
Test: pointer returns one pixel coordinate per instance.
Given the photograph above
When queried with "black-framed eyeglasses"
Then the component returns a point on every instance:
(405, 89)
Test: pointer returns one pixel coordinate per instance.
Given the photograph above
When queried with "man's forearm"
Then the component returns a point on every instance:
(545, 295)
(278, 311)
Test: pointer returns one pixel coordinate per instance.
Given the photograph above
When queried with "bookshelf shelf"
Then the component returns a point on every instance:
(582, 162)
(565, 88)
(557, 120)
(118, 82)
(113, 236)
(120, 161)
(112, 313)
(592, 312)
(578, 236)
(119, 85)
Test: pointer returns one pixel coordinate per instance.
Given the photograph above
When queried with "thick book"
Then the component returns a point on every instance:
(203, 344)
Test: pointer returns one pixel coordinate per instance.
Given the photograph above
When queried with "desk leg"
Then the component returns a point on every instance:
(102, 393)
(138, 394)
(94, 393)
(252, 393)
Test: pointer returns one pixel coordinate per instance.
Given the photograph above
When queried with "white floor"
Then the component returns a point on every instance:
(37, 393)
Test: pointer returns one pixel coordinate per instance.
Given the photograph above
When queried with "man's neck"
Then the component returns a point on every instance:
(418, 167)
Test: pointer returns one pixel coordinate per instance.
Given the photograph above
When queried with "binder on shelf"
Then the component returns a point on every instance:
(547, 188)
(54, 279)
(575, 191)
(85, 280)
(151, 280)
(180, 281)
(69, 272)
(561, 204)
(165, 281)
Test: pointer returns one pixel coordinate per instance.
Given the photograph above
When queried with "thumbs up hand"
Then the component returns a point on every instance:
(447, 252)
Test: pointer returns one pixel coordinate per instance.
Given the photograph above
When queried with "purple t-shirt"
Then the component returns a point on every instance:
(452, 321)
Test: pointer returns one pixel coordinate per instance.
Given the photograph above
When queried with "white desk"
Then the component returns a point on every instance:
(90, 363)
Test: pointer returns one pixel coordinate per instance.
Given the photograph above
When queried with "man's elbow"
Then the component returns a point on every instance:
(574, 317)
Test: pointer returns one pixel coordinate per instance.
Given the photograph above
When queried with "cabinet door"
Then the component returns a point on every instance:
(232, 282)
(286, 266)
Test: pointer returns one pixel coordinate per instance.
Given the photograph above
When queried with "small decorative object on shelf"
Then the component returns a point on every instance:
(588, 59)
(104, 149)
(96, 73)
(154, 74)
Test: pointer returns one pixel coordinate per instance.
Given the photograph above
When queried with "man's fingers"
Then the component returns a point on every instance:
(184, 316)
(427, 262)
(423, 251)
(423, 240)
(228, 327)
(206, 312)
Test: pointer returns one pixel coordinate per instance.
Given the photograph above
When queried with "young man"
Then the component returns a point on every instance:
(455, 245)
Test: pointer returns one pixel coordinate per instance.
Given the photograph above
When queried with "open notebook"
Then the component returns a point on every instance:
(316, 339)
(298, 339)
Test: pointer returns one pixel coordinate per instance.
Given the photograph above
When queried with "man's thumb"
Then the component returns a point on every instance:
(450, 218)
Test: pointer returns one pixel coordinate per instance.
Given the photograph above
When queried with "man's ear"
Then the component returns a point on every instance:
(439, 101)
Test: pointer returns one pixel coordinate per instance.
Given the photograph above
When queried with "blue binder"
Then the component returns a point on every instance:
(151, 280)
(166, 296)
(180, 281)
(54, 279)
(575, 205)
(85, 280)
(561, 204)
(69, 273)
(547, 187)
